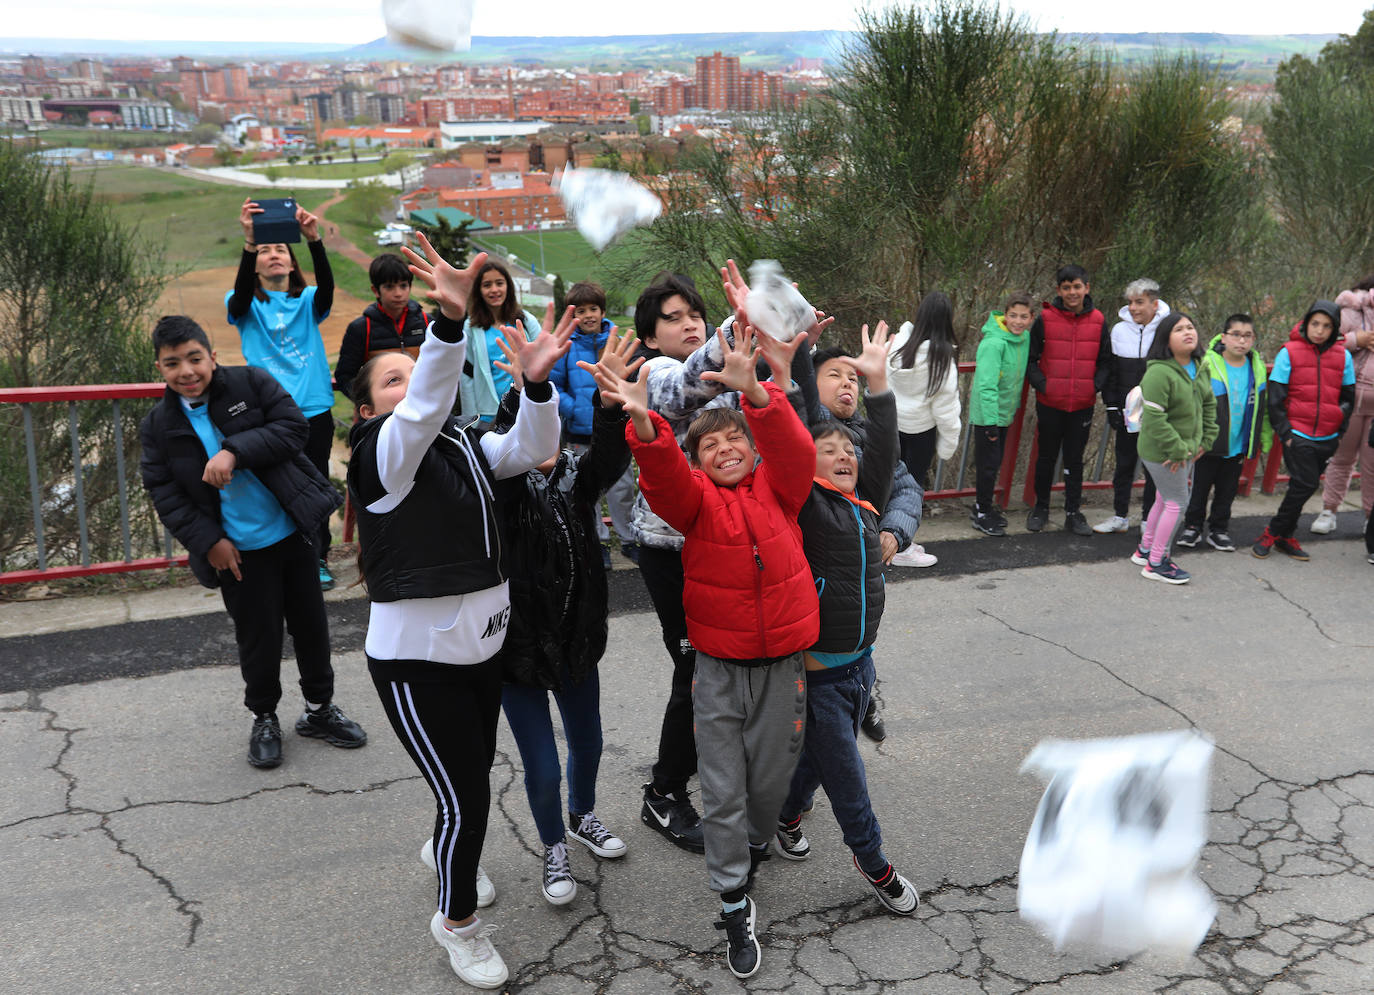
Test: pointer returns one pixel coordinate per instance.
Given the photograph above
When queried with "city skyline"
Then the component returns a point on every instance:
(356, 22)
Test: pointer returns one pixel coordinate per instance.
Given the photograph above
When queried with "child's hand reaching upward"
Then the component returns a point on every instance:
(778, 355)
(737, 369)
(632, 395)
(615, 359)
(871, 362)
(448, 287)
(536, 356)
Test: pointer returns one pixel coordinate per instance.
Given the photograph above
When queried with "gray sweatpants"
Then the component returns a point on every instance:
(750, 724)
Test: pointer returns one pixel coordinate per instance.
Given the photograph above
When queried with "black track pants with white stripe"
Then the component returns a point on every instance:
(445, 717)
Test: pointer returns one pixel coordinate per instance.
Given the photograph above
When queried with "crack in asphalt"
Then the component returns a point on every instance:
(1269, 586)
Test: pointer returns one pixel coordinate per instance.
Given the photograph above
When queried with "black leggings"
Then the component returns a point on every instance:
(317, 449)
(677, 745)
(918, 451)
(445, 716)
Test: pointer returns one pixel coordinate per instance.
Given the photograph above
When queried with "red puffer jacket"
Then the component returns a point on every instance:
(748, 590)
(1314, 384)
(1068, 361)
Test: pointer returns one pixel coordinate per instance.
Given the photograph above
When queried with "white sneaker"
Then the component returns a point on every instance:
(558, 886)
(1324, 523)
(1114, 524)
(486, 891)
(914, 556)
(473, 958)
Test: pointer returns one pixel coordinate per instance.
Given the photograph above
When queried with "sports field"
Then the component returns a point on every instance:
(565, 252)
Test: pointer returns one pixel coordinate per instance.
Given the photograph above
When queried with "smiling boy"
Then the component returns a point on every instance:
(224, 463)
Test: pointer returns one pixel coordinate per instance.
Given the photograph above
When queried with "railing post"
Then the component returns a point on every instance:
(1271, 469)
(123, 484)
(35, 495)
(78, 486)
(1011, 450)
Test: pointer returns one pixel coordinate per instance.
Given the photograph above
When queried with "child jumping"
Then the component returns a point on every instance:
(840, 532)
(431, 554)
(1178, 425)
(750, 603)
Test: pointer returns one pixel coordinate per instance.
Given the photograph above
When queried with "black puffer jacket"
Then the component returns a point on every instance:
(843, 544)
(558, 592)
(265, 431)
(374, 332)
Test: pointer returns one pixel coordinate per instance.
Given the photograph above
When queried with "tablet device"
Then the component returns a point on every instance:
(277, 222)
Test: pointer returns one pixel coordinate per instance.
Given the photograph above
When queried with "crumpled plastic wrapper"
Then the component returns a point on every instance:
(774, 304)
(605, 204)
(1111, 857)
(438, 25)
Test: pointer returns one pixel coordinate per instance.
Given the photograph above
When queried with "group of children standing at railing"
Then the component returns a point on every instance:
(767, 513)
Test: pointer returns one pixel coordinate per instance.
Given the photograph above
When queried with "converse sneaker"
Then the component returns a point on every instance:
(1264, 544)
(486, 891)
(1168, 572)
(588, 830)
(1221, 541)
(914, 556)
(331, 725)
(470, 952)
(1190, 537)
(893, 890)
(1114, 524)
(791, 843)
(1141, 556)
(1289, 545)
(742, 947)
(264, 742)
(558, 885)
(1324, 523)
(674, 817)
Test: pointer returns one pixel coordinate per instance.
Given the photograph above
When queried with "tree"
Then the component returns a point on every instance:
(272, 173)
(560, 295)
(225, 154)
(450, 241)
(204, 134)
(75, 289)
(367, 199)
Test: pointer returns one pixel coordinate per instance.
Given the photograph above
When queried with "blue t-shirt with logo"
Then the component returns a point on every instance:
(252, 517)
(1238, 383)
(281, 336)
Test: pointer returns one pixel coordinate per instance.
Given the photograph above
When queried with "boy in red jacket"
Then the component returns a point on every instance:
(750, 601)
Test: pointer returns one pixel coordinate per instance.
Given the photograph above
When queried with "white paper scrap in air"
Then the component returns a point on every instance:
(438, 25)
(605, 204)
(1111, 857)
(774, 304)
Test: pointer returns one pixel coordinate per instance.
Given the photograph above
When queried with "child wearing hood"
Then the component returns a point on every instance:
(1131, 339)
(1311, 395)
(1357, 328)
(999, 372)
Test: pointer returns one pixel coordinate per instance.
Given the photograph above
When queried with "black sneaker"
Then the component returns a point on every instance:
(605, 557)
(1221, 541)
(674, 817)
(1075, 522)
(264, 742)
(985, 523)
(872, 723)
(1000, 516)
(742, 953)
(331, 725)
(792, 844)
(893, 890)
(1190, 537)
(1037, 519)
(1291, 546)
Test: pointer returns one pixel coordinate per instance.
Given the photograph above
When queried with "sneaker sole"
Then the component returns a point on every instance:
(1149, 574)
(1188, 545)
(681, 842)
(886, 902)
(599, 851)
(787, 854)
(1138, 560)
(310, 732)
(437, 930)
(264, 764)
(1221, 549)
(559, 899)
(1301, 558)
(990, 530)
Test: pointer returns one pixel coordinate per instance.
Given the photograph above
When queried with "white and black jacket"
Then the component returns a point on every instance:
(1130, 342)
(422, 484)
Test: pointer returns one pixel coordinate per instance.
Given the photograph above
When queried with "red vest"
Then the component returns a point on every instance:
(1069, 360)
(1314, 385)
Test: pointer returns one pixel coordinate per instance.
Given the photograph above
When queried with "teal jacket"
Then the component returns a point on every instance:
(1256, 432)
(1000, 371)
(1180, 413)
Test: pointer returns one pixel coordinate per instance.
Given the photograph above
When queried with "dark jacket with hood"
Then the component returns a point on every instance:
(1314, 401)
(265, 431)
(843, 544)
(376, 331)
(558, 592)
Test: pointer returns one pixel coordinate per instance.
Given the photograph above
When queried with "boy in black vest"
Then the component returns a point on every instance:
(224, 461)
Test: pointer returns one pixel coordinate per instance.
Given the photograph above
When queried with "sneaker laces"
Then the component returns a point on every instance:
(590, 827)
(479, 944)
(266, 728)
(556, 865)
(1267, 539)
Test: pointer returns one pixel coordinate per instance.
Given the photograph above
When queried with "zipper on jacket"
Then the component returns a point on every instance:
(1317, 407)
(758, 578)
(863, 579)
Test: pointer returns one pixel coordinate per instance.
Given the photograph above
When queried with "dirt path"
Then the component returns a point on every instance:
(335, 242)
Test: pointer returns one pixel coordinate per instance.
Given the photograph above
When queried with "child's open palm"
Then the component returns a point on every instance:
(615, 359)
(871, 362)
(538, 355)
(738, 361)
(449, 287)
(632, 395)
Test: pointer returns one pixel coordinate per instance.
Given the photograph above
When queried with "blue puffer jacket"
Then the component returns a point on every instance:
(575, 385)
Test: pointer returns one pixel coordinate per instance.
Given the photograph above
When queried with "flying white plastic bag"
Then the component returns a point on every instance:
(774, 304)
(1111, 856)
(606, 204)
(440, 25)
(1134, 409)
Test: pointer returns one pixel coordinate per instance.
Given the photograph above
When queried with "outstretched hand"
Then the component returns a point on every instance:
(310, 224)
(449, 287)
(778, 355)
(615, 359)
(736, 291)
(537, 356)
(632, 395)
(739, 360)
(871, 362)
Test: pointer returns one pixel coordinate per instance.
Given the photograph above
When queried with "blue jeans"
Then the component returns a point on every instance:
(527, 711)
(836, 700)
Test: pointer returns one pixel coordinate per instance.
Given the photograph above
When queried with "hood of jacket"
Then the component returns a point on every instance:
(996, 328)
(1327, 308)
(1131, 338)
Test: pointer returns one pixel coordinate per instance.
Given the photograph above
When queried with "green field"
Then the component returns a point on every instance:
(565, 252)
(343, 167)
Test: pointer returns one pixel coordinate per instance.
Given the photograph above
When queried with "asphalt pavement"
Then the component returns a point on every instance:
(142, 853)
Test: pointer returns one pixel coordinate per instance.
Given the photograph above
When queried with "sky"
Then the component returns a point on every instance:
(359, 21)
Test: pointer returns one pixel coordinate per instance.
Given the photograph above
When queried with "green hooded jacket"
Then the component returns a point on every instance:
(1180, 413)
(1000, 371)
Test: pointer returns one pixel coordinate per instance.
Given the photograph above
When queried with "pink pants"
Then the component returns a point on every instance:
(1354, 446)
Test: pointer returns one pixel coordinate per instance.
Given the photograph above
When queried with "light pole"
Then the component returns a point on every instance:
(539, 225)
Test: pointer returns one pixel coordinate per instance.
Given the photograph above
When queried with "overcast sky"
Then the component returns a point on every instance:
(358, 21)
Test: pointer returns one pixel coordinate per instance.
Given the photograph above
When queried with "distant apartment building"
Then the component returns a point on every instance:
(34, 67)
(671, 97)
(89, 69)
(131, 112)
(212, 83)
(16, 109)
(388, 108)
(522, 201)
(717, 80)
(572, 106)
